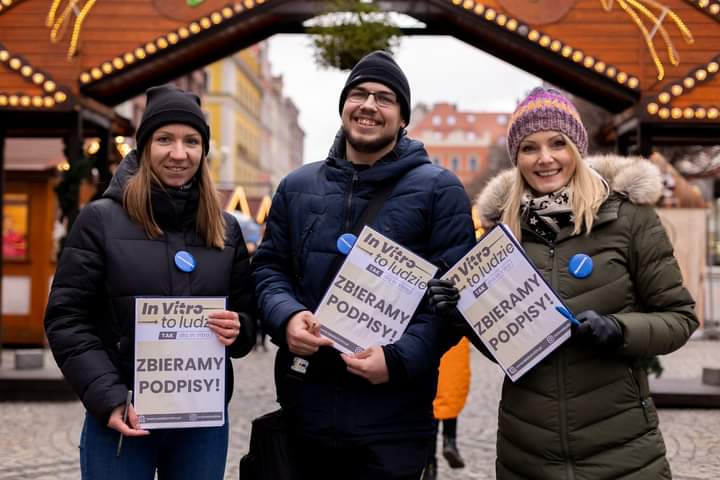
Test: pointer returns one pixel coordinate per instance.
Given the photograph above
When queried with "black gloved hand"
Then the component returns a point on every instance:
(599, 330)
(442, 297)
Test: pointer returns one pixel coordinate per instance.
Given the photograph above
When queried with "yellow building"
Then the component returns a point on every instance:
(232, 102)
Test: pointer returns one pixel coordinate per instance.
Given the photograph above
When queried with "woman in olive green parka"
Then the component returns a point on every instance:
(585, 412)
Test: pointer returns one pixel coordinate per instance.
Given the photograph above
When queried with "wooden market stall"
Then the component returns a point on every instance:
(29, 247)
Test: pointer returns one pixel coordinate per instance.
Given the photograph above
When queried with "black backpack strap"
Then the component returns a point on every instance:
(373, 207)
(294, 376)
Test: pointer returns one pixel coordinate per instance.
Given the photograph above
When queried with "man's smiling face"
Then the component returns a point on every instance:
(370, 125)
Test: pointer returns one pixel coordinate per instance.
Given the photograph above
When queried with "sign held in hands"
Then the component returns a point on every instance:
(179, 363)
(374, 294)
(508, 303)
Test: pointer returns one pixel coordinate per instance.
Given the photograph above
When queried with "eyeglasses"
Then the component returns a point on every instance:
(382, 99)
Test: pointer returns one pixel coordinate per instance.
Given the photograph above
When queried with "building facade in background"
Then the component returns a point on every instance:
(282, 137)
(460, 141)
(256, 139)
(233, 101)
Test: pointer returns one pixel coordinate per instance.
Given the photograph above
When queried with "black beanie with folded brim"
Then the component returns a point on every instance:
(380, 67)
(168, 104)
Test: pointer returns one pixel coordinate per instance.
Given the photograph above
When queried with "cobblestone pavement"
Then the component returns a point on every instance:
(39, 440)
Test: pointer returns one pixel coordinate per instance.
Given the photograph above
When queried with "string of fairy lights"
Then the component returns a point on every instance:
(5, 4)
(711, 7)
(635, 8)
(661, 105)
(52, 94)
(544, 40)
(58, 23)
(169, 39)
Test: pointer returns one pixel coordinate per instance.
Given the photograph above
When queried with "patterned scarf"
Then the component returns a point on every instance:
(547, 214)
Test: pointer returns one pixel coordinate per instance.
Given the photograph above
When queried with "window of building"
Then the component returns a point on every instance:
(435, 161)
(502, 119)
(455, 164)
(451, 120)
(472, 164)
(471, 118)
(437, 120)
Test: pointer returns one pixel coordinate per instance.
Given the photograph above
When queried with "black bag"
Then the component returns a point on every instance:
(269, 453)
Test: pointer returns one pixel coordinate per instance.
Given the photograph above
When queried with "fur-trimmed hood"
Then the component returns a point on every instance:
(636, 178)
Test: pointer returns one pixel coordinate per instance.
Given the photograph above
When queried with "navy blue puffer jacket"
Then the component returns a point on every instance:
(428, 212)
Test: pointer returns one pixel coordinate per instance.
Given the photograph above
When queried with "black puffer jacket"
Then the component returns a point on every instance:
(107, 261)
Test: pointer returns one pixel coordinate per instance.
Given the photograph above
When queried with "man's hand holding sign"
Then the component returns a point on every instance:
(369, 304)
(369, 364)
(303, 334)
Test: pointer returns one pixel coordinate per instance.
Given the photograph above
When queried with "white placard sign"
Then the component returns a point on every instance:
(179, 363)
(508, 303)
(374, 294)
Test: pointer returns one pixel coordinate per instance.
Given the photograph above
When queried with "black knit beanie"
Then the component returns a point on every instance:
(168, 104)
(380, 67)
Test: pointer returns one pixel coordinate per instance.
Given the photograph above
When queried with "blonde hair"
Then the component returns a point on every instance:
(209, 221)
(588, 193)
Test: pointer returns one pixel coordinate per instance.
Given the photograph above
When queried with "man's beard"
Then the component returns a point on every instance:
(369, 146)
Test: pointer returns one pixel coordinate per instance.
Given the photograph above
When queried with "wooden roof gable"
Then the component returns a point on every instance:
(84, 47)
(665, 52)
(656, 58)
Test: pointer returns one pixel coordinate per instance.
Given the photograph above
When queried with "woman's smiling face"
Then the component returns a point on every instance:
(175, 154)
(546, 161)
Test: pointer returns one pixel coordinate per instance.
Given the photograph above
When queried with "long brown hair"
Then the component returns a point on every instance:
(209, 221)
(588, 193)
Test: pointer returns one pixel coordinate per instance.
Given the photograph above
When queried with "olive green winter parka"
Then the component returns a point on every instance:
(581, 413)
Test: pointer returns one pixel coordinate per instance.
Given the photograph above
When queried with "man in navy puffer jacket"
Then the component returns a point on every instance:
(370, 415)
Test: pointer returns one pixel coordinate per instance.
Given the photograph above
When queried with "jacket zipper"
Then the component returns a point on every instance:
(348, 204)
(348, 217)
(643, 403)
(560, 378)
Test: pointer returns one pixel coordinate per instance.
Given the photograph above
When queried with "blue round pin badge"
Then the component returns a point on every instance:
(345, 242)
(580, 266)
(185, 261)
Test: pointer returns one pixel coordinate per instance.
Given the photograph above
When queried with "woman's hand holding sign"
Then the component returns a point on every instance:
(226, 325)
(442, 296)
(129, 428)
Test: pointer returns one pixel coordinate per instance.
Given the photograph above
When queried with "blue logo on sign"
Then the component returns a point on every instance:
(185, 261)
(580, 266)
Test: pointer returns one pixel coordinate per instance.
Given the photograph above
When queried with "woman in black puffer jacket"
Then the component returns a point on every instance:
(123, 246)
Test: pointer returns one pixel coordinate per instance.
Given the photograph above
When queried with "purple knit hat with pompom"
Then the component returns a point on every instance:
(545, 110)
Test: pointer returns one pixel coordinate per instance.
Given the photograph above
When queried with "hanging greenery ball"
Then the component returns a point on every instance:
(351, 29)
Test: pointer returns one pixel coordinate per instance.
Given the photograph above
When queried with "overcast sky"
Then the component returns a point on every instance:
(438, 68)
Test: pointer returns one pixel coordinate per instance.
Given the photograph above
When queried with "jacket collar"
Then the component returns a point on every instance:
(632, 178)
(406, 155)
(125, 170)
(607, 212)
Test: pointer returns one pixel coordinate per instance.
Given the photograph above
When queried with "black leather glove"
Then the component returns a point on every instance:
(442, 296)
(599, 330)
